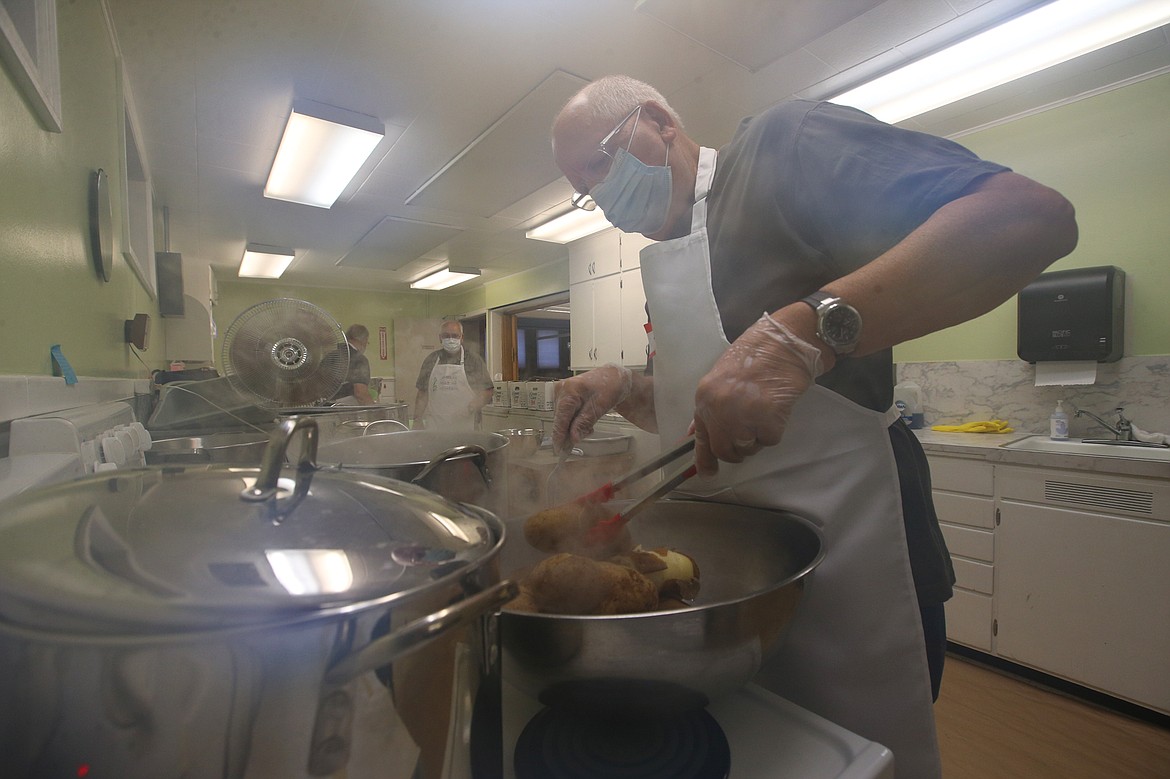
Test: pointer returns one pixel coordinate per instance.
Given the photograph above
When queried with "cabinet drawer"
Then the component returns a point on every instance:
(968, 542)
(969, 619)
(956, 474)
(971, 575)
(967, 510)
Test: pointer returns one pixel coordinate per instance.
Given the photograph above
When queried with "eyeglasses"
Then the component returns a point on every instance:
(582, 200)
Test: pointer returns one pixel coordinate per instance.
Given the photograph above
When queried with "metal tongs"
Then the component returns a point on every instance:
(606, 529)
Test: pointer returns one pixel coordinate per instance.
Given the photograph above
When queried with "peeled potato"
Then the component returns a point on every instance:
(572, 584)
(676, 575)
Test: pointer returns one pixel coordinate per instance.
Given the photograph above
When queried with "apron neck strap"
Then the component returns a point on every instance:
(704, 175)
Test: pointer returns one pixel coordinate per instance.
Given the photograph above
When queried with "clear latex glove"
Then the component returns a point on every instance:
(583, 399)
(744, 402)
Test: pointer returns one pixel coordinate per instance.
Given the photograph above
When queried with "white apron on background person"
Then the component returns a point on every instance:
(449, 396)
(854, 652)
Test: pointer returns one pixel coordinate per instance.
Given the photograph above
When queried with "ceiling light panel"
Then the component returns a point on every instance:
(1034, 41)
(322, 149)
(444, 278)
(508, 161)
(261, 261)
(570, 226)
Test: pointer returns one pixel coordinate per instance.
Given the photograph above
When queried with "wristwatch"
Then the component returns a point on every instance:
(838, 323)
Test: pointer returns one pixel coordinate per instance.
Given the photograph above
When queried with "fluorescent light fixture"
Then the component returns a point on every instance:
(570, 226)
(322, 149)
(264, 262)
(1052, 34)
(446, 277)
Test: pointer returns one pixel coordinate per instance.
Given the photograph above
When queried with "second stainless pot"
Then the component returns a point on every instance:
(465, 467)
(337, 423)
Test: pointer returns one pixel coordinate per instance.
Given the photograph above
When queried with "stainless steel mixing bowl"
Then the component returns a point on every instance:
(752, 562)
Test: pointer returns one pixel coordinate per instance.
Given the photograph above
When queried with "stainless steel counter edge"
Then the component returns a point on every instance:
(989, 447)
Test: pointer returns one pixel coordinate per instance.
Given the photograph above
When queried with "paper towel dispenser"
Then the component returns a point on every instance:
(1074, 314)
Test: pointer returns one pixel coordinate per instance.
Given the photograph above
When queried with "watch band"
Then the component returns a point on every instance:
(816, 299)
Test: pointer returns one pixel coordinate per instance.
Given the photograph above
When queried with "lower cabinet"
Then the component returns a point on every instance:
(1062, 571)
(1082, 586)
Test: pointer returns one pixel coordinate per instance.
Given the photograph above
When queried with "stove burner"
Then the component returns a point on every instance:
(565, 744)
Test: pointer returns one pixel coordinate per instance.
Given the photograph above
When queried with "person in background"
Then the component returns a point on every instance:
(788, 264)
(453, 384)
(356, 389)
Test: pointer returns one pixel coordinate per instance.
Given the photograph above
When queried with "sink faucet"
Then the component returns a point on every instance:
(1122, 431)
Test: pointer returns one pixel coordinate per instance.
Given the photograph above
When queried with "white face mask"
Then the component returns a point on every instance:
(634, 196)
(451, 344)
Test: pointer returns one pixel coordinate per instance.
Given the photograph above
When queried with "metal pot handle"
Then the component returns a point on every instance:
(265, 487)
(455, 451)
(417, 634)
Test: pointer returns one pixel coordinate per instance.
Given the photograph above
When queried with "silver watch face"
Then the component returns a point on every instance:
(841, 326)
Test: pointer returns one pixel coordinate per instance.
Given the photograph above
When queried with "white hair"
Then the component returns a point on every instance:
(612, 97)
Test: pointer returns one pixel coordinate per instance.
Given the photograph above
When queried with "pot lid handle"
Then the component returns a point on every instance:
(266, 486)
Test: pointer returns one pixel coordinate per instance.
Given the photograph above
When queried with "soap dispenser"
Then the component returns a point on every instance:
(1058, 423)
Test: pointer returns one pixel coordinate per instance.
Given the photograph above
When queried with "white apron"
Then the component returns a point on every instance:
(448, 397)
(854, 652)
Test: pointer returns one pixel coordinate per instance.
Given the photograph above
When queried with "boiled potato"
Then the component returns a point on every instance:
(676, 575)
(571, 584)
(564, 529)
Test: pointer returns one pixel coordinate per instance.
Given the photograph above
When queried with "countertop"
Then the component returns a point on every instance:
(990, 448)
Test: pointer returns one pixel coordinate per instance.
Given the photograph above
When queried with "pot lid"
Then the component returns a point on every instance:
(199, 548)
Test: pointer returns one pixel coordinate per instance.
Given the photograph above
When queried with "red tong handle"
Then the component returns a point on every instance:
(605, 492)
(606, 530)
(602, 494)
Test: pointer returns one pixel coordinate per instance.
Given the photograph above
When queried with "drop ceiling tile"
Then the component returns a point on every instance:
(754, 33)
(503, 164)
(394, 242)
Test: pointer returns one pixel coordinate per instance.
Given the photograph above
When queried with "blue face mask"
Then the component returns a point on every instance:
(634, 196)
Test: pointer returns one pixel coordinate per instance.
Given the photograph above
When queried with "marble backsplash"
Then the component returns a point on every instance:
(958, 392)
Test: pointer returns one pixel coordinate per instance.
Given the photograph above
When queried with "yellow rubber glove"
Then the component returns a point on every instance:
(988, 426)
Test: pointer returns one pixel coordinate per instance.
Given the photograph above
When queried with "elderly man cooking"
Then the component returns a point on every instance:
(788, 264)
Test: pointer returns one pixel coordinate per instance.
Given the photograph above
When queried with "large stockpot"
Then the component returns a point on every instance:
(337, 423)
(752, 562)
(467, 467)
(240, 448)
(222, 622)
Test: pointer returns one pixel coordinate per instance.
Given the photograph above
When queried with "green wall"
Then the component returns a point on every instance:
(1110, 155)
(49, 290)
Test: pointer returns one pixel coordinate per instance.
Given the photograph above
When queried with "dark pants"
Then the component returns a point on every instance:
(934, 629)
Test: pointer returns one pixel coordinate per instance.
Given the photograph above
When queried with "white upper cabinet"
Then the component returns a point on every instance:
(607, 301)
(596, 256)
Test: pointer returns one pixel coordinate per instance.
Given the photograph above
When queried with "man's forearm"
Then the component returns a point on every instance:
(969, 257)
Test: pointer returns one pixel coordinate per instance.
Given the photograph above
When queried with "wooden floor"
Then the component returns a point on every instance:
(994, 726)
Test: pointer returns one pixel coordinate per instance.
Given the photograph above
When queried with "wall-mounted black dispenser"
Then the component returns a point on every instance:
(1074, 314)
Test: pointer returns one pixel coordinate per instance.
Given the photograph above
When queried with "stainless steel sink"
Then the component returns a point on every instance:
(1133, 450)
